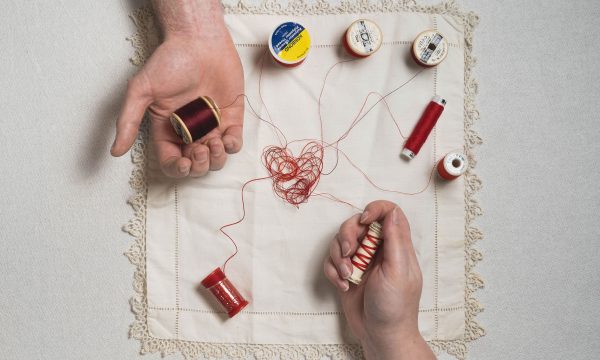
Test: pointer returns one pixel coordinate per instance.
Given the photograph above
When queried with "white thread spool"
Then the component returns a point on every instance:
(453, 165)
(365, 253)
(363, 38)
(429, 48)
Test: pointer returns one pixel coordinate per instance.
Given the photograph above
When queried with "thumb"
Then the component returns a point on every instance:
(397, 244)
(137, 99)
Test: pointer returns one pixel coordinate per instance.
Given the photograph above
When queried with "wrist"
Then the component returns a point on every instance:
(190, 19)
(406, 345)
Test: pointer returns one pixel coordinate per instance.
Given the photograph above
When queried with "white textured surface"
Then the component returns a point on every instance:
(65, 285)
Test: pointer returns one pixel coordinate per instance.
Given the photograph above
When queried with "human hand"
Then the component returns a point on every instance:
(187, 65)
(383, 310)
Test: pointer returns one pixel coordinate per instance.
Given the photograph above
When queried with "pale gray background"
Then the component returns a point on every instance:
(65, 285)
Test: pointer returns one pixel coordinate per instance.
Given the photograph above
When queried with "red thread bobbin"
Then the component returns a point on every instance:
(224, 291)
(419, 135)
(196, 119)
(452, 166)
(365, 253)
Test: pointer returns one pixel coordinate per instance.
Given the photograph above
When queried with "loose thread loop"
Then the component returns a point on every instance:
(294, 179)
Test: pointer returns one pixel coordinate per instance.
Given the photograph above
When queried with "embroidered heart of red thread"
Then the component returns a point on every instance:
(294, 178)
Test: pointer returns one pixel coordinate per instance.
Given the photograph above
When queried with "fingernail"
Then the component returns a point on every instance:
(346, 271)
(228, 146)
(364, 217)
(345, 286)
(201, 156)
(396, 216)
(182, 169)
(112, 147)
(345, 249)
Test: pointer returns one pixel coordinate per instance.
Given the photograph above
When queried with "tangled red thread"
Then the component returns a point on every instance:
(294, 178)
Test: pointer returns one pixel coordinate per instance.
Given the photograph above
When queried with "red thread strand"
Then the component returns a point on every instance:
(369, 245)
(294, 178)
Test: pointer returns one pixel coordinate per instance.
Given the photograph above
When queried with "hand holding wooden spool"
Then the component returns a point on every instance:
(196, 119)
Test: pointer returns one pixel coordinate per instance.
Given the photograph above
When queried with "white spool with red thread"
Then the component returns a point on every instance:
(453, 165)
(366, 251)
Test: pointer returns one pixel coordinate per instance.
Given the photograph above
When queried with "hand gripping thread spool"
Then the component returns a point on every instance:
(453, 165)
(224, 291)
(429, 48)
(363, 38)
(289, 44)
(365, 253)
(196, 119)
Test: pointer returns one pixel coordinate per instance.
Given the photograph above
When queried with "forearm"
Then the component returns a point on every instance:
(190, 17)
(411, 347)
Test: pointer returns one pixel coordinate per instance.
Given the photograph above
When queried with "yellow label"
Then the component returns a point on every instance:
(297, 48)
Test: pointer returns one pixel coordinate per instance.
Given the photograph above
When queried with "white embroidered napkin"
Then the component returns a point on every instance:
(281, 247)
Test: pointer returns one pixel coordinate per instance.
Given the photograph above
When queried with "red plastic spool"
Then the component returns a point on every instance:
(227, 294)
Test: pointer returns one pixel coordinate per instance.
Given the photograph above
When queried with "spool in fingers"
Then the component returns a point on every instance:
(196, 119)
(365, 253)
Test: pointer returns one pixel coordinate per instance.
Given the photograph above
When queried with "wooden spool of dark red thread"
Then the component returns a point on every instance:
(196, 119)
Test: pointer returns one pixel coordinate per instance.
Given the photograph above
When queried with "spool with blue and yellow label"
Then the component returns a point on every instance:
(289, 43)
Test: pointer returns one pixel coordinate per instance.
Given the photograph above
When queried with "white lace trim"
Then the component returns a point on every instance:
(146, 39)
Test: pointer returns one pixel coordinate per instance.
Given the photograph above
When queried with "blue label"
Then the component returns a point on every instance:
(284, 35)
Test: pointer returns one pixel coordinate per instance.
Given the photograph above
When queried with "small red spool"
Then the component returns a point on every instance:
(289, 44)
(419, 135)
(452, 166)
(196, 119)
(224, 291)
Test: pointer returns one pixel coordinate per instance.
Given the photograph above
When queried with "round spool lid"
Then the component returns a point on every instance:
(456, 163)
(430, 48)
(364, 37)
(238, 308)
(213, 278)
(180, 129)
(289, 43)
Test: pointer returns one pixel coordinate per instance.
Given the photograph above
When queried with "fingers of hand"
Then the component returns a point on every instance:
(331, 273)
(137, 100)
(342, 263)
(168, 149)
(232, 139)
(218, 156)
(376, 211)
(350, 234)
(397, 243)
(200, 157)
(176, 166)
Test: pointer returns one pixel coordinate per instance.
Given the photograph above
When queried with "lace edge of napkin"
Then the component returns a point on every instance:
(146, 39)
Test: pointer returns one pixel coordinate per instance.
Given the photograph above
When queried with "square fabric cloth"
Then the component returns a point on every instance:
(293, 310)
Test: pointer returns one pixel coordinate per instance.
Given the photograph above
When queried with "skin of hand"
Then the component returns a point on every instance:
(383, 310)
(196, 58)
